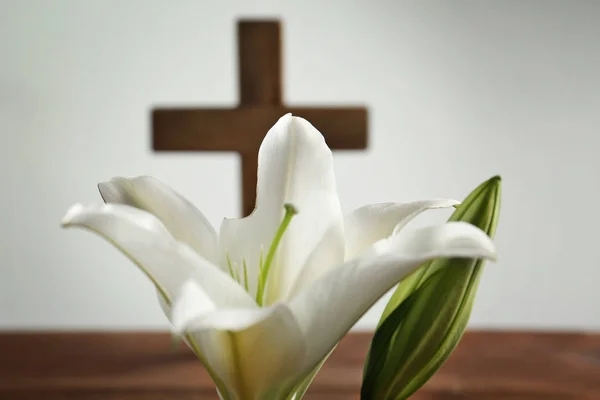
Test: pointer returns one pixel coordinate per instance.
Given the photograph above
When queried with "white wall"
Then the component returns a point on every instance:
(458, 91)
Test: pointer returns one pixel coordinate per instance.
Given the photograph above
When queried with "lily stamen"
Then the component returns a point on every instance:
(245, 275)
(290, 211)
(230, 267)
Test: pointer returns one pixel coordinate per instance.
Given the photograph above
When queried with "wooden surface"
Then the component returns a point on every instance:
(242, 129)
(141, 366)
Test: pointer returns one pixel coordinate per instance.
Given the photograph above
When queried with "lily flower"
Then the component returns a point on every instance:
(265, 301)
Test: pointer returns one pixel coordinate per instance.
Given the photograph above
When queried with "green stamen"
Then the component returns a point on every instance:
(245, 276)
(229, 266)
(236, 271)
(290, 211)
(260, 269)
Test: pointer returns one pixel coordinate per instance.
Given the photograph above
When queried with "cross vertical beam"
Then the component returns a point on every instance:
(259, 52)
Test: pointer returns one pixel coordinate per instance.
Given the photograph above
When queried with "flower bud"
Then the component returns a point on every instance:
(429, 311)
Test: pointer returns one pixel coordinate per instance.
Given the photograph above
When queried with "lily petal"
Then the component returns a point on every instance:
(363, 227)
(331, 306)
(191, 302)
(294, 166)
(251, 350)
(368, 224)
(167, 262)
(328, 254)
(185, 222)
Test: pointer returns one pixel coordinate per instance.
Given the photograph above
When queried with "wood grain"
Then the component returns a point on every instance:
(243, 128)
(124, 366)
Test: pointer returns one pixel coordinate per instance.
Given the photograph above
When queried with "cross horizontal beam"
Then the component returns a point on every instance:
(243, 129)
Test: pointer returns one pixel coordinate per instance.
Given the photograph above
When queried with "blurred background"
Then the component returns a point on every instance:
(456, 91)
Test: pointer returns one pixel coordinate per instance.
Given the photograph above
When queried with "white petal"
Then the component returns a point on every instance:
(190, 303)
(185, 222)
(363, 227)
(368, 224)
(166, 261)
(165, 305)
(328, 254)
(331, 306)
(294, 166)
(250, 350)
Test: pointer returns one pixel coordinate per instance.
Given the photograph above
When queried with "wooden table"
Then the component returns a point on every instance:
(142, 366)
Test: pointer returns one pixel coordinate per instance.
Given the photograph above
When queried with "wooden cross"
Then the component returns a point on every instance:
(242, 129)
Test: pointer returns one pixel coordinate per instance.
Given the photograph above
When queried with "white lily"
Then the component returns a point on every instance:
(266, 300)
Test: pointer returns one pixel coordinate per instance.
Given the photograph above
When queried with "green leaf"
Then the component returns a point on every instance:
(429, 311)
